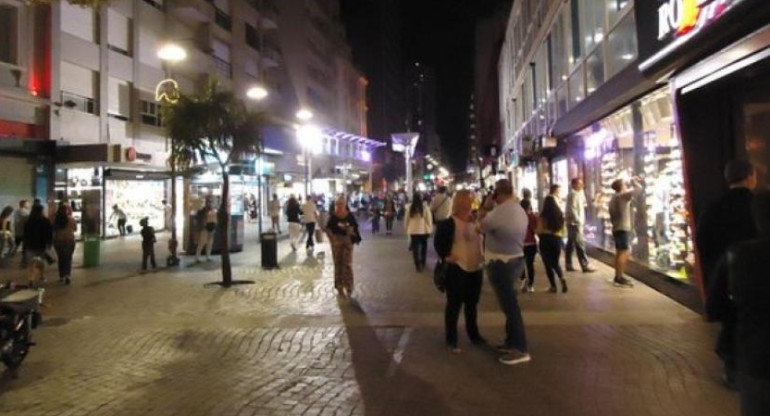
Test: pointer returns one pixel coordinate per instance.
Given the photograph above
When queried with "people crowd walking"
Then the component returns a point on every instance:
(550, 232)
(64, 226)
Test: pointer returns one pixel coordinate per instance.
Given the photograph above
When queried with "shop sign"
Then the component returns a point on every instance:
(664, 26)
(132, 155)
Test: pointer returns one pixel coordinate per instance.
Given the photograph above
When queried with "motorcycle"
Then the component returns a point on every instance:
(19, 315)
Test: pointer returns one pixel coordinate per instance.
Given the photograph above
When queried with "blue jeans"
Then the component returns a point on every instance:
(503, 276)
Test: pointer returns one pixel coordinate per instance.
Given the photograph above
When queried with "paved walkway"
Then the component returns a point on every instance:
(117, 342)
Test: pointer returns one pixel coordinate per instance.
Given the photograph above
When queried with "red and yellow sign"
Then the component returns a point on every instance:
(682, 17)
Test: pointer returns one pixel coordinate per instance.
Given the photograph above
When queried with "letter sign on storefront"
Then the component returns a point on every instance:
(681, 17)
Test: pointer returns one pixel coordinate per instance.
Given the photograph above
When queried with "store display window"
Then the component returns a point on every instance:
(75, 187)
(138, 199)
(641, 140)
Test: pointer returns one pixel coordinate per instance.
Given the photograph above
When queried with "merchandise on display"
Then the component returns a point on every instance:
(138, 199)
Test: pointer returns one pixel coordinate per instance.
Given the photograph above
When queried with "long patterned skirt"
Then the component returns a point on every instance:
(342, 251)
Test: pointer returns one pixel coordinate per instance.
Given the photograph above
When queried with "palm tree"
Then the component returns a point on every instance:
(213, 126)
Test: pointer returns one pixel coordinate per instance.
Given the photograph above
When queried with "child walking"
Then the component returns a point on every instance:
(148, 244)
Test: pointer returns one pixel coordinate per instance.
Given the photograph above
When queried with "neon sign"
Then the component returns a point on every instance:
(167, 91)
(683, 17)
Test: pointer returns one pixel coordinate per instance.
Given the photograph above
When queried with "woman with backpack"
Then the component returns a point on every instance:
(419, 226)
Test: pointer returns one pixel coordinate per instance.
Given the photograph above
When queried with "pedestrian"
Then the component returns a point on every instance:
(148, 243)
(504, 224)
(389, 213)
(207, 223)
(376, 214)
(274, 211)
(441, 206)
(576, 219)
(120, 215)
(526, 194)
(749, 293)
(342, 230)
(309, 219)
(7, 243)
(550, 232)
(293, 212)
(620, 217)
(167, 215)
(64, 226)
(38, 237)
(419, 226)
(19, 221)
(458, 243)
(725, 222)
(530, 248)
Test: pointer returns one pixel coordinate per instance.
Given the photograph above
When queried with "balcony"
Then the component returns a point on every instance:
(271, 55)
(269, 13)
(192, 11)
(223, 20)
(224, 68)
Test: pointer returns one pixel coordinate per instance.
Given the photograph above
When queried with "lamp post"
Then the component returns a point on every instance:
(169, 55)
(406, 143)
(309, 137)
(258, 93)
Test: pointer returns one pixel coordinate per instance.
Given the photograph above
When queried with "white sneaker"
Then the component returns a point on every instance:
(515, 357)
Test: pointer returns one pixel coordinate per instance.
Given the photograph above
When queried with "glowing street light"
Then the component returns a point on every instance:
(309, 137)
(258, 93)
(304, 114)
(172, 53)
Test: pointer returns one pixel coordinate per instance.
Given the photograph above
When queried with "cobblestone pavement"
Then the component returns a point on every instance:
(118, 342)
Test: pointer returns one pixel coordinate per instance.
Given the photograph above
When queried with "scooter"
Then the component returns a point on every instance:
(19, 315)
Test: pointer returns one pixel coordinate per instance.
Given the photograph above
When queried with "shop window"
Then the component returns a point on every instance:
(622, 45)
(150, 113)
(9, 36)
(595, 70)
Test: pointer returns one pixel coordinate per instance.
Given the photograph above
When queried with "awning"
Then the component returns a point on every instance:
(341, 135)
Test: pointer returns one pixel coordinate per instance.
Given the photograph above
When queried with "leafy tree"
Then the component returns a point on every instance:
(214, 127)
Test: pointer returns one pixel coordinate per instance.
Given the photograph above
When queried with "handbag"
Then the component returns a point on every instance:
(439, 275)
(319, 236)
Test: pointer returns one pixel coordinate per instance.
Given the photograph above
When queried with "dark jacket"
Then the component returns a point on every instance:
(334, 226)
(444, 238)
(293, 212)
(148, 236)
(38, 234)
(749, 266)
(727, 221)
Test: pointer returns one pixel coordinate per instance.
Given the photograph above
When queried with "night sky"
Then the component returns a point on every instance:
(440, 33)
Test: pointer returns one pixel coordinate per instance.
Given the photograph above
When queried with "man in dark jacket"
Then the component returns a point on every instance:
(727, 221)
(38, 233)
(750, 286)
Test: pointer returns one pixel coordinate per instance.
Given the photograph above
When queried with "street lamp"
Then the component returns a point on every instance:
(171, 54)
(258, 93)
(304, 114)
(309, 137)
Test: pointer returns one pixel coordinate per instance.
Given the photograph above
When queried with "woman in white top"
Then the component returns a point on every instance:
(459, 243)
(419, 226)
(309, 218)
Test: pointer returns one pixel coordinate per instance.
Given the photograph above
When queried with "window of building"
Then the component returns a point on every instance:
(221, 55)
(119, 95)
(615, 9)
(561, 47)
(150, 113)
(79, 21)
(622, 46)
(576, 50)
(577, 91)
(119, 32)
(252, 37)
(595, 70)
(80, 88)
(9, 36)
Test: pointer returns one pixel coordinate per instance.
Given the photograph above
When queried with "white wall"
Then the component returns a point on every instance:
(78, 127)
(79, 21)
(119, 30)
(149, 43)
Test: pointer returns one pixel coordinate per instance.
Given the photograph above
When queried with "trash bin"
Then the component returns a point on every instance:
(92, 247)
(269, 243)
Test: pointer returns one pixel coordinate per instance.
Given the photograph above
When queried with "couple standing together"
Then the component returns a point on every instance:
(459, 242)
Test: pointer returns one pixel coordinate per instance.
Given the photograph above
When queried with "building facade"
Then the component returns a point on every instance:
(608, 89)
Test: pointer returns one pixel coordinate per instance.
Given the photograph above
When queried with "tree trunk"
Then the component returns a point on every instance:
(224, 223)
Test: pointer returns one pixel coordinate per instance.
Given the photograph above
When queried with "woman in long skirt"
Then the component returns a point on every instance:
(342, 230)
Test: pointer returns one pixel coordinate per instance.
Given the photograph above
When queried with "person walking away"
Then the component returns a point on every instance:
(207, 221)
(530, 248)
(342, 230)
(148, 244)
(64, 226)
(458, 243)
(118, 214)
(576, 220)
(725, 222)
(376, 214)
(419, 226)
(7, 242)
(309, 218)
(550, 231)
(441, 206)
(293, 212)
(38, 236)
(274, 211)
(390, 214)
(19, 221)
(750, 291)
(620, 217)
(504, 224)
